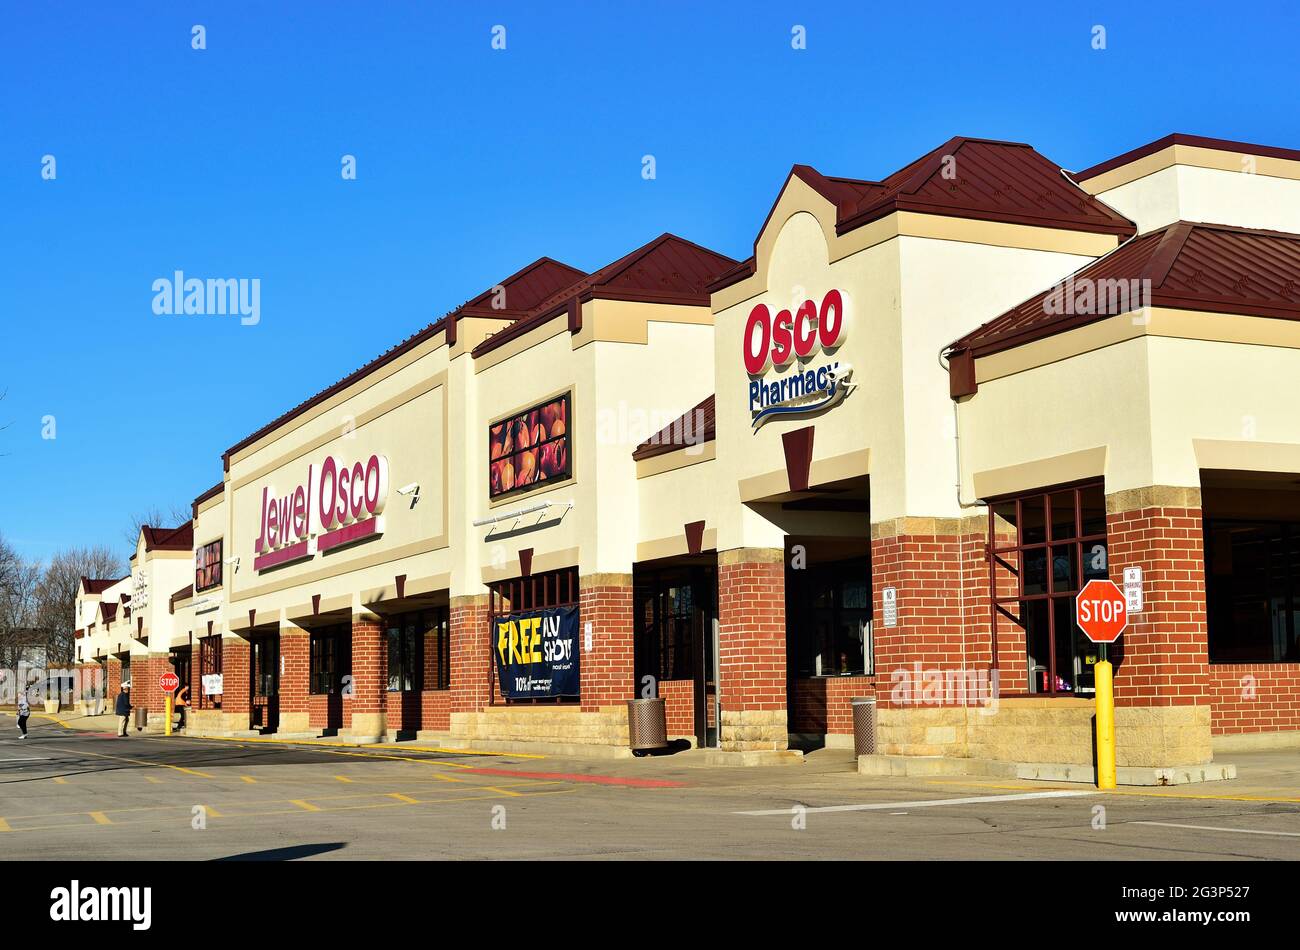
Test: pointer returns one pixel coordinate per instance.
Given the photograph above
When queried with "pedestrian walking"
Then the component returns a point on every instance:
(123, 711)
(24, 711)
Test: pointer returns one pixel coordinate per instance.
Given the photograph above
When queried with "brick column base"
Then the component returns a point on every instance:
(294, 654)
(234, 683)
(1165, 650)
(607, 671)
(471, 656)
(365, 711)
(751, 649)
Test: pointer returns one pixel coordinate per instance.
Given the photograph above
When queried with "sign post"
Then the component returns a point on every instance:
(168, 683)
(1101, 612)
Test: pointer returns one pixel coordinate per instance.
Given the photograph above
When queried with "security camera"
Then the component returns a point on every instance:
(235, 561)
(413, 490)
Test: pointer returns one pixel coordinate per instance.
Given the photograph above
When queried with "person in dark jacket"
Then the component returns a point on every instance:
(123, 711)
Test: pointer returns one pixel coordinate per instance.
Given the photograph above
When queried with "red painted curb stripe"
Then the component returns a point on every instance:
(595, 779)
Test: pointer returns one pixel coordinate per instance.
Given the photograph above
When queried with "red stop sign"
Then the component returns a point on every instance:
(168, 682)
(1101, 611)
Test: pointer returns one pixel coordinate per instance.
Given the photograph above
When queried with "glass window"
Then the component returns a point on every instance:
(1252, 590)
(828, 614)
(1044, 546)
(418, 649)
(264, 659)
(330, 660)
(209, 665)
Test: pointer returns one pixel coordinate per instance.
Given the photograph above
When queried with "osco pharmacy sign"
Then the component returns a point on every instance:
(773, 343)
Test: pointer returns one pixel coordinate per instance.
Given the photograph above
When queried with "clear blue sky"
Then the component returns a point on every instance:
(471, 162)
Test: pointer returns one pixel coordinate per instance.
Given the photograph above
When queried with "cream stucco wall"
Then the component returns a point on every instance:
(1150, 410)
(632, 369)
(909, 296)
(401, 412)
(1214, 186)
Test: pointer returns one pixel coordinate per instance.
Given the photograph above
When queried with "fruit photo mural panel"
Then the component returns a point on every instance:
(529, 448)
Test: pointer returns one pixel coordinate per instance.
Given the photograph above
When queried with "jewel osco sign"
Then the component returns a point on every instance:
(779, 350)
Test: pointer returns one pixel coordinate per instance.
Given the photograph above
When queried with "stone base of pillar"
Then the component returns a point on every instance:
(754, 730)
(367, 727)
(295, 722)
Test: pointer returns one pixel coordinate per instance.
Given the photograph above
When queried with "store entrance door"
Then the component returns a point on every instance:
(264, 682)
(676, 643)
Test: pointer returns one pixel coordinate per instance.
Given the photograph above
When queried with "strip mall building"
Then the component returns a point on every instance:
(878, 457)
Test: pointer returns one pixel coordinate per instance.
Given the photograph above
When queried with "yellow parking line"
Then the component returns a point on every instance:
(212, 812)
(150, 778)
(305, 806)
(4, 825)
(404, 798)
(447, 778)
(503, 791)
(100, 818)
(152, 765)
(44, 716)
(399, 747)
(60, 781)
(343, 778)
(1138, 791)
(249, 779)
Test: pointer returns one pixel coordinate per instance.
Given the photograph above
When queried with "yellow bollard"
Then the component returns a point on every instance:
(167, 723)
(1105, 725)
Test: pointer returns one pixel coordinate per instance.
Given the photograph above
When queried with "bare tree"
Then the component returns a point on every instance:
(155, 517)
(56, 597)
(19, 582)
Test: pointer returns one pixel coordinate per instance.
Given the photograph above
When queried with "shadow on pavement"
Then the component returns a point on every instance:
(286, 854)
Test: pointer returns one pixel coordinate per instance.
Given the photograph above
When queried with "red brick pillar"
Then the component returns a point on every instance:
(1165, 659)
(114, 682)
(1162, 681)
(294, 647)
(145, 691)
(365, 706)
(607, 672)
(471, 656)
(234, 683)
(926, 562)
(751, 649)
(196, 682)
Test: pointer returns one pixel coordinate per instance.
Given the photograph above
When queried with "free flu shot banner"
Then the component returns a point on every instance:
(537, 653)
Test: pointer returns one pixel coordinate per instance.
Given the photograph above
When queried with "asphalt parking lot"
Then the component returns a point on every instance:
(68, 794)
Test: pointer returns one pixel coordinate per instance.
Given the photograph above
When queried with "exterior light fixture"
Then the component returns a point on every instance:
(515, 515)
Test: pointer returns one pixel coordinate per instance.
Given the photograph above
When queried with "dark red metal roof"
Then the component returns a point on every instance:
(1192, 266)
(669, 269)
(989, 180)
(109, 610)
(181, 594)
(693, 427)
(1197, 141)
(97, 586)
(169, 539)
(964, 177)
(522, 291)
(210, 493)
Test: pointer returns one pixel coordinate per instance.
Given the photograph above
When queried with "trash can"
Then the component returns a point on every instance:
(141, 717)
(647, 724)
(864, 725)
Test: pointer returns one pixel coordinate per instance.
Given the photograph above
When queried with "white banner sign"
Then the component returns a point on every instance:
(212, 684)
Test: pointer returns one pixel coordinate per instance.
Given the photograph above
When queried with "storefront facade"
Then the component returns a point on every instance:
(761, 488)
